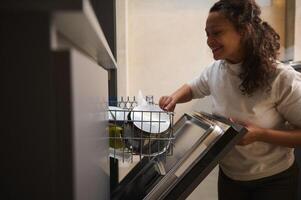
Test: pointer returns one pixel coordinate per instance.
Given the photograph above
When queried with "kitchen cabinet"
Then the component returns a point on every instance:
(55, 61)
(86, 139)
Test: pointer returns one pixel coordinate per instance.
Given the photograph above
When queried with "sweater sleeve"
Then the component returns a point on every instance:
(200, 85)
(288, 96)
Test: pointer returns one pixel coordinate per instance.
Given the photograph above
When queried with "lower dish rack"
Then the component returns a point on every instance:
(143, 130)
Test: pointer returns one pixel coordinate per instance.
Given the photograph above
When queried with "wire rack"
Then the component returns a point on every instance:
(150, 134)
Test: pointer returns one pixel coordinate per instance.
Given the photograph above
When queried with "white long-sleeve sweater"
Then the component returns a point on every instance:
(268, 110)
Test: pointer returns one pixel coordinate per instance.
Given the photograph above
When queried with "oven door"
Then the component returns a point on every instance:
(200, 141)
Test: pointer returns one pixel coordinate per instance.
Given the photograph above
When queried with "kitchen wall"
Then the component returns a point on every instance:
(298, 31)
(161, 44)
(166, 47)
(122, 46)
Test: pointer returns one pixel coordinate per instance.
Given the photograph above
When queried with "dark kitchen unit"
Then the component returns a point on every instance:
(56, 63)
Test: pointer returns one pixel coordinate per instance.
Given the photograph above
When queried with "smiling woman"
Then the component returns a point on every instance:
(248, 84)
(240, 23)
(223, 39)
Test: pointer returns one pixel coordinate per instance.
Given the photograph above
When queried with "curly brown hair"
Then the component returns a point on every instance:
(260, 41)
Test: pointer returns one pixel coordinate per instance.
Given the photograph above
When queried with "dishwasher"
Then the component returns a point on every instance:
(171, 167)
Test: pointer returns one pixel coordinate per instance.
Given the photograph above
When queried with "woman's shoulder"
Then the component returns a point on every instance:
(286, 79)
(285, 72)
(282, 67)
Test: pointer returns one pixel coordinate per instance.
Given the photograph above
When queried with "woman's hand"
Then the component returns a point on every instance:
(253, 134)
(167, 103)
(287, 138)
(182, 95)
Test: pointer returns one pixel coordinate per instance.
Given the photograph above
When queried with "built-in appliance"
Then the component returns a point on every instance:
(199, 141)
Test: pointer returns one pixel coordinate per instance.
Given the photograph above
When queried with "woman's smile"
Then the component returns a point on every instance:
(216, 50)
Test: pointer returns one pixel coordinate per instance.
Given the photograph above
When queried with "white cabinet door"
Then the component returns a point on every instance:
(89, 92)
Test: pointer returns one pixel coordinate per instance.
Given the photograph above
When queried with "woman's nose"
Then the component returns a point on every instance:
(209, 41)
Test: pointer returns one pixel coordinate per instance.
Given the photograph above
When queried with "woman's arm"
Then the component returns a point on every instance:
(288, 138)
(182, 95)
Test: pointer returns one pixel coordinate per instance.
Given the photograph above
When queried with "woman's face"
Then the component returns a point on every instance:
(223, 39)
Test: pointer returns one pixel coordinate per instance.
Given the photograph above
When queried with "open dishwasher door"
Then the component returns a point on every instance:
(200, 141)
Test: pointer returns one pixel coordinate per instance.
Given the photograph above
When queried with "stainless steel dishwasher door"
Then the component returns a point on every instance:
(201, 140)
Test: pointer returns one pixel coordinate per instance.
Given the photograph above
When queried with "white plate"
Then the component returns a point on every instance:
(117, 114)
(148, 120)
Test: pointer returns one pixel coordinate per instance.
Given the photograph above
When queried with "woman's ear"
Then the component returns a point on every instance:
(244, 33)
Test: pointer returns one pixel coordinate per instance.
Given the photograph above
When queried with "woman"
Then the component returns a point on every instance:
(247, 84)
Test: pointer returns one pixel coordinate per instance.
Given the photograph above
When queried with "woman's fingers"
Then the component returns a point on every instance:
(167, 103)
(162, 101)
(170, 106)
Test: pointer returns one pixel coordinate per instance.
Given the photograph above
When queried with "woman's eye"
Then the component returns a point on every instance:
(216, 33)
